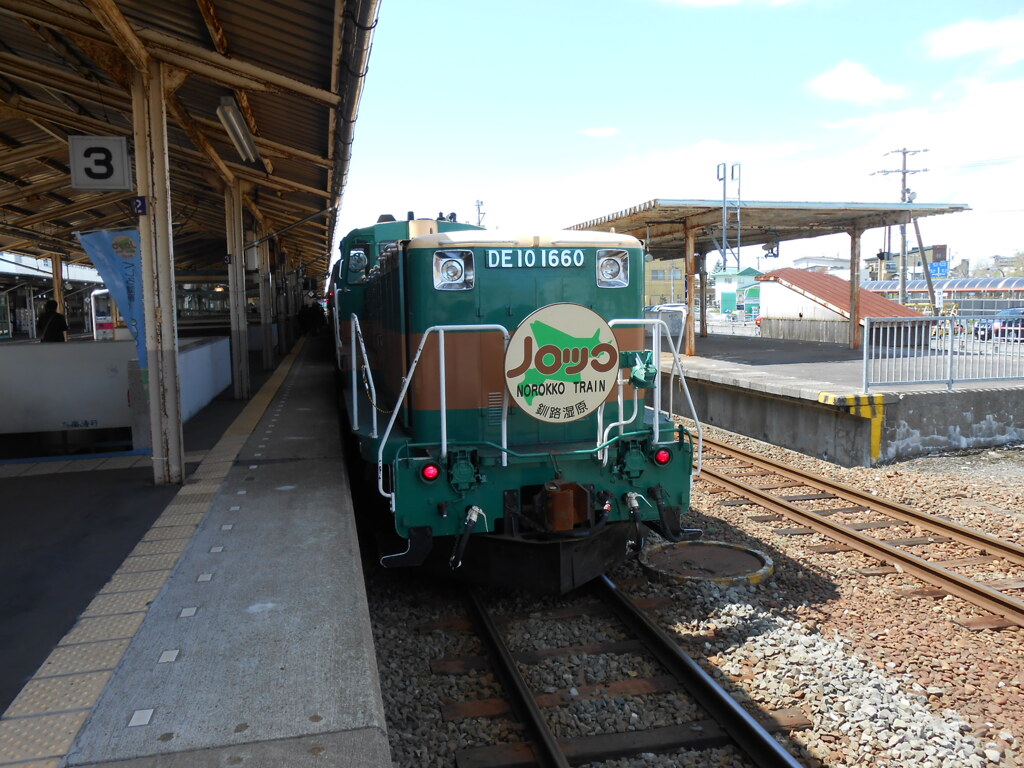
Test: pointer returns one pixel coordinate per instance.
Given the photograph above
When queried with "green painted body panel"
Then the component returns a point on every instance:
(400, 302)
(349, 286)
(442, 506)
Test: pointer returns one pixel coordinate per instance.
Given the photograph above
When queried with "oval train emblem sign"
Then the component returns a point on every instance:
(561, 363)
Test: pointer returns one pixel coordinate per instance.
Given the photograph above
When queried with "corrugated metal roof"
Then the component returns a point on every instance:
(834, 292)
(298, 65)
(662, 224)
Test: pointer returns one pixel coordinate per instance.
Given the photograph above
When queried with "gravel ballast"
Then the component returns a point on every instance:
(885, 679)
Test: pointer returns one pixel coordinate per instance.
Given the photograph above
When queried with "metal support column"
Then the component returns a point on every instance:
(58, 282)
(236, 291)
(292, 304)
(927, 269)
(854, 335)
(149, 115)
(266, 305)
(702, 266)
(30, 304)
(690, 345)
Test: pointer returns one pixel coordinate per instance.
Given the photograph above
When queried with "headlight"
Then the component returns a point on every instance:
(357, 261)
(453, 270)
(612, 268)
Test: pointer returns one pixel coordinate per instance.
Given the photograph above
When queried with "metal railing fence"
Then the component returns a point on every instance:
(949, 349)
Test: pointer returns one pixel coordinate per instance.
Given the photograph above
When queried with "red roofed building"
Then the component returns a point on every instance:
(814, 306)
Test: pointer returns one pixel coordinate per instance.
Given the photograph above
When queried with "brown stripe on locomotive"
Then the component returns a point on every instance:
(474, 363)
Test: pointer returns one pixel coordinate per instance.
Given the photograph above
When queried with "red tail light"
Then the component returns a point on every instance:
(662, 456)
(430, 472)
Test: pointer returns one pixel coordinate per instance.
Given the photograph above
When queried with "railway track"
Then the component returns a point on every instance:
(846, 514)
(724, 721)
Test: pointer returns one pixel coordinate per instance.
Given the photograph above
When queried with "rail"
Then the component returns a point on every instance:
(751, 737)
(685, 677)
(948, 349)
(893, 552)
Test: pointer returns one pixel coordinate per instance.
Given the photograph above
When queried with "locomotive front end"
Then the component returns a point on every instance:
(521, 449)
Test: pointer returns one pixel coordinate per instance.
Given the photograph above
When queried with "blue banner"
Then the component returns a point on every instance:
(117, 256)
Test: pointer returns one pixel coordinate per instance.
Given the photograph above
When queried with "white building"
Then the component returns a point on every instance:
(830, 265)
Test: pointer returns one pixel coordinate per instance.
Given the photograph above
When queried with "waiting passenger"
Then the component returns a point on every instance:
(51, 325)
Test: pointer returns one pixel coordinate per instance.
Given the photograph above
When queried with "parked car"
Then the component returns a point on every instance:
(1007, 324)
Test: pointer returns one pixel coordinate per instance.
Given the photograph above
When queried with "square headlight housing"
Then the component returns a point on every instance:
(453, 270)
(612, 268)
(356, 264)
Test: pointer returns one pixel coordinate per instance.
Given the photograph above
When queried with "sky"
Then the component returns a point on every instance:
(556, 112)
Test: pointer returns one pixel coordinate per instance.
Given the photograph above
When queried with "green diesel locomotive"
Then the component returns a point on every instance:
(504, 389)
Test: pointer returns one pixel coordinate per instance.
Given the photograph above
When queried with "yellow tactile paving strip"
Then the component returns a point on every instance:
(40, 726)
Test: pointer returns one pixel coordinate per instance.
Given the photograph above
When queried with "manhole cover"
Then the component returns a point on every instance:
(714, 561)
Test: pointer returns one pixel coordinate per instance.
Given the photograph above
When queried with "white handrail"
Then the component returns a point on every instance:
(676, 367)
(407, 380)
(357, 333)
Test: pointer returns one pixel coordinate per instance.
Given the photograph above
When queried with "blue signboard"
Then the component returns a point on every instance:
(939, 268)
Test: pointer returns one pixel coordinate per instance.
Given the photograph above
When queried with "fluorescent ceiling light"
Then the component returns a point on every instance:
(234, 123)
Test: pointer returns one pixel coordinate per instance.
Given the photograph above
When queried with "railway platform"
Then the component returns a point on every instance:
(808, 396)
(236, 631)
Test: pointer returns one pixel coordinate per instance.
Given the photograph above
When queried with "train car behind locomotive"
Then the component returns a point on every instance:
(499, 384)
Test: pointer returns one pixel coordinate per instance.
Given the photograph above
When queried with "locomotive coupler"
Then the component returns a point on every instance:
(473, 512)
(636, 542)
(669, 527)
(604, 498)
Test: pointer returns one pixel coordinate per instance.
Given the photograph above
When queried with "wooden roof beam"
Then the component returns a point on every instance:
(272, 148)
(20, 192)
(17, 67)
(71, 17)
(271, 182)
(123, 34)
(220, 43)
(198, 138)
(80, 206)
(32, 109)
(13, 157)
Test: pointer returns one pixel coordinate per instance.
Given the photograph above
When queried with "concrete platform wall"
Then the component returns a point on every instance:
(866, 430)
(204, 369)
(84, 385)
(823, 431)
(56, 387)
(926, 422)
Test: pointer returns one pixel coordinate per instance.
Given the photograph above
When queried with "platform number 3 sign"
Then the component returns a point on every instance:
(99, 163)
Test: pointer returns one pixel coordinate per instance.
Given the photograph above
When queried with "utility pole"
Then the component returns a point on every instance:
(730, 210)
(479, 213)
(906, 196)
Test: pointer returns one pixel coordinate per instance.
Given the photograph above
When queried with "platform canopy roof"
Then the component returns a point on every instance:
(294, 69)
(662, 224)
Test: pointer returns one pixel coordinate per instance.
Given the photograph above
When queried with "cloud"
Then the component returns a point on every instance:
(851, 81)
(600, 133)
(1003, 40)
